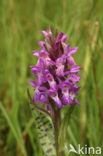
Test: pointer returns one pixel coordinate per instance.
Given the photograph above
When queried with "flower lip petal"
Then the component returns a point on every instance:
(71, 61)
(33, 83)
(74, 69)
(72, 51)
(36, 53)
(66, 47)
(43, 54)
(48, 75)
(44, 33)
(64, 38)
(40, 97)
(42, 89)
(77, 102)
(41, 43)
(54, 95)
(74, 78)
(35, 69)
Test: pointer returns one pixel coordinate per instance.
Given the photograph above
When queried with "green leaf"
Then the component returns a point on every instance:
(45, 132)
(44, 128)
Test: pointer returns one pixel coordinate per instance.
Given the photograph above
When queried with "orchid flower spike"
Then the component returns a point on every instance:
(56, 71)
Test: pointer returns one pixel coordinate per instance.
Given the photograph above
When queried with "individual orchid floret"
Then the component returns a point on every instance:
(65, 93)
(60, 64)
(44, 56)
(56, 71)
(50, 79)
(47, 34)
(54, 95)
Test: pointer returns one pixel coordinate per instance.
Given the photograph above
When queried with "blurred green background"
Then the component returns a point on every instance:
(20, 24)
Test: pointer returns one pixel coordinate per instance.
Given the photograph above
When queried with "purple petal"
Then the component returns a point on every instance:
(57, 45)
(49, 30)
(40, 97)
(73, 91)
(47, 34)
(54, 95)
(75, 69)
(59, 36)
(50, 79)
(33, 83)
(36, 53)
(71, 61)
(35, 69)
(66, 47)
(44, 33)
(72, 51)
(64, 38)
(60, 70)
(74, 78)
(42, 44)
(47, 46)
(56, 71)
(77, 102)
(60, 66)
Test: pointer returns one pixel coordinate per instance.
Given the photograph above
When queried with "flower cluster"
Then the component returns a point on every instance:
(56, 71)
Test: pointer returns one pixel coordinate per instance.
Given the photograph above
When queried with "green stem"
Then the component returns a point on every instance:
(57, 123)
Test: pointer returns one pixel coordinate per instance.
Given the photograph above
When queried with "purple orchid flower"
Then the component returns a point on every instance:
(56, 71)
